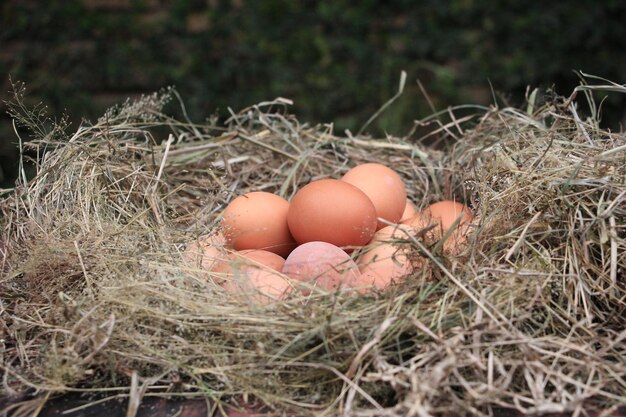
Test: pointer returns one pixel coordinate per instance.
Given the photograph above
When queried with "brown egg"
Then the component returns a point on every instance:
(385, 260)
(207, 252)
(258, 285)
(332, 211)
(257, 258)
(424, 228)
(409, 211)
(415, 223)
(254, 276)
(382, 265)
(258, 220)
(265, 258)
(383, 186)
(323, 265)
(445, 214)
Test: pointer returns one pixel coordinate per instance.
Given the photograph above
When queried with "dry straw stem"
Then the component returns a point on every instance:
(530, 314)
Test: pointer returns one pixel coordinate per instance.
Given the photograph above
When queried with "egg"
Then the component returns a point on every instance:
(383, 186)
(385, 260)
(423, 228)
(332, 211)
(207, 252)
(254, 276)
(258, 285)
(382, 265)
(263, 257)
(415, 224)
(258, 220)
(445, 214)
(322, 264)
(409, 211)
(257, 258)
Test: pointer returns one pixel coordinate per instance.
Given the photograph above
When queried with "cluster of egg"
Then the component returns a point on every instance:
(334, 234)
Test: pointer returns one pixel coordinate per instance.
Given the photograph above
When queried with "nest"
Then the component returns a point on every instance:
(529, 315)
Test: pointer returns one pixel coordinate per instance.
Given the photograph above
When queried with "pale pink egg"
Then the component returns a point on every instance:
(323, 265)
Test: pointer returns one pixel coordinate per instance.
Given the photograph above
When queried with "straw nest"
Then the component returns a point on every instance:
(530, 314)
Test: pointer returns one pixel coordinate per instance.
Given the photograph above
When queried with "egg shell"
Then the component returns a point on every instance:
(382, 265)
(424, 228)
(385, 260)
(251, 258)
(258, 220)
(207, 252)
(415, 225)
(264, 257)
(445, 214)
(258, 285)
(383, 186)
(322, 264)
(409, 211)
(253, 276)
(332, 211)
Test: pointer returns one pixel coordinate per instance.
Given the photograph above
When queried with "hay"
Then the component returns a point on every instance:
(96, 296)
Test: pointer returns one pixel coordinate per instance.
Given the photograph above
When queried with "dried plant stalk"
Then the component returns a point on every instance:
(96, 295)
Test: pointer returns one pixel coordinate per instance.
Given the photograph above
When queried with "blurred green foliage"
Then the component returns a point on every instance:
(338, 60)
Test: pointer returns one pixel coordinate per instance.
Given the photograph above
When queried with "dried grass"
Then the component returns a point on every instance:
(531, 315)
